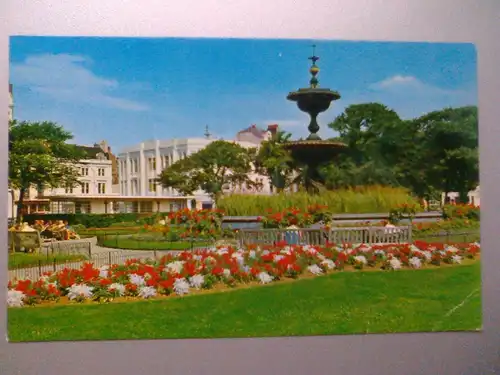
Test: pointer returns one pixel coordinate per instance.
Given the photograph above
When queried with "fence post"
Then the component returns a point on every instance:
(109, 257)
(39, 268)
(90, 249)
(154, 254)
(54, 263)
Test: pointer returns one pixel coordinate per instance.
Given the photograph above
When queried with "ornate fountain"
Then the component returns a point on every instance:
(313, 152)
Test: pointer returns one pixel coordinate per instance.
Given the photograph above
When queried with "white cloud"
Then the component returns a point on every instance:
(412, 97)
(67, 78)
(400, 83)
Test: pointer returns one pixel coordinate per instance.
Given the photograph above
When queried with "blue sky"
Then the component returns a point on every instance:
(128, 90)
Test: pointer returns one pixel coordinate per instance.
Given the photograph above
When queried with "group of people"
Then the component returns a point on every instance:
(59, 229)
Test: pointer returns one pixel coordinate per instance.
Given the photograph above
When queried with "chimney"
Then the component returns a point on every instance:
(273, 129)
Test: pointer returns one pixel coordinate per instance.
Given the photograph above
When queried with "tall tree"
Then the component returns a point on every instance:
(211, 169)
(40, 157)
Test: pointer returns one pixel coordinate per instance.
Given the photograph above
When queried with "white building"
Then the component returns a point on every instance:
(95, 183)
(139, 166)
(474, 196)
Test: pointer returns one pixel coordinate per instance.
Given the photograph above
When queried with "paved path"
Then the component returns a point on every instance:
(100, 256)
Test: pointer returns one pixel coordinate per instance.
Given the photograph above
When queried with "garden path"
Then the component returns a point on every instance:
(100, 257)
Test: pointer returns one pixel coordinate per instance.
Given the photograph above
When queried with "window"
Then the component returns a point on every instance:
(146, 207)
(85, 187)
(152, 185)
(69, 190)
(84, 172)
(101, 187)
(152, 164)
(83, 208)
(100, 172)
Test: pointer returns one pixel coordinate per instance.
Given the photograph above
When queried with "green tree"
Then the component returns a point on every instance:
(274, 161)
(218, 165)
(372, 133)
(449, 152)
(40, 157)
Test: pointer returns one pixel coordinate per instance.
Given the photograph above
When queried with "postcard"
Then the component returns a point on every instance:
(169, 188)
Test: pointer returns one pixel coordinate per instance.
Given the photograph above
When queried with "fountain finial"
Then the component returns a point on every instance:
(314, 70)
(207, 133)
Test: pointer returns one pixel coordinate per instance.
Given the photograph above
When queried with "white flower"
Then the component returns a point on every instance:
(176, 266)
(222, 251)
(427, 255)
(79, 290)
(310, 250)
(15, 298)
(136, 279)
(320, 256)
(415, 262)
(265, 252)
(395, 263)
(252, 254)
(361, 259)
(226, 272)
(197, 281)
(379, 252)
(181, 287)
(330, 264)
(456, 259)
(120, 288)
(452, 249)
(287, 250)
(414, 248)
(264, 278)
(104, 272)
(315, 269)
(45, 279)
(277, 258)
(147, 292)
(365, 248)
(197, 257)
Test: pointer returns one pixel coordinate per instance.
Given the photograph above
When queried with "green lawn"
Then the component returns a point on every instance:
(340, 303)
(130, 243)
(18, 260)
(474, 236)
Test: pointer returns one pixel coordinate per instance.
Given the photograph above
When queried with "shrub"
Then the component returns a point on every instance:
(93, 220)
(461, 211)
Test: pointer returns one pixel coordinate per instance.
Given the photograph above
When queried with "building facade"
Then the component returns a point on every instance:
(139, 166)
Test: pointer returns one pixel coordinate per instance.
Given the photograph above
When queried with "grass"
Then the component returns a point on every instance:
(339, 303)
(94, 232)
(22, 260)
(130, 243)
(371, 199)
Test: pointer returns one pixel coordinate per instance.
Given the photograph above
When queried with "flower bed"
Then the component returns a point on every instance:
(224, 268)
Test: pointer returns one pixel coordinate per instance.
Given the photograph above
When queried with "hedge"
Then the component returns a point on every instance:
(96, 220)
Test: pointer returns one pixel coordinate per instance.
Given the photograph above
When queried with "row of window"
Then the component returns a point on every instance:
(165, 160)
(101, 188)
(85, 171)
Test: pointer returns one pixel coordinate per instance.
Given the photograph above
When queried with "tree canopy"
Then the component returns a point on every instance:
(434, 153)
(40, 157)
(219, 165)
